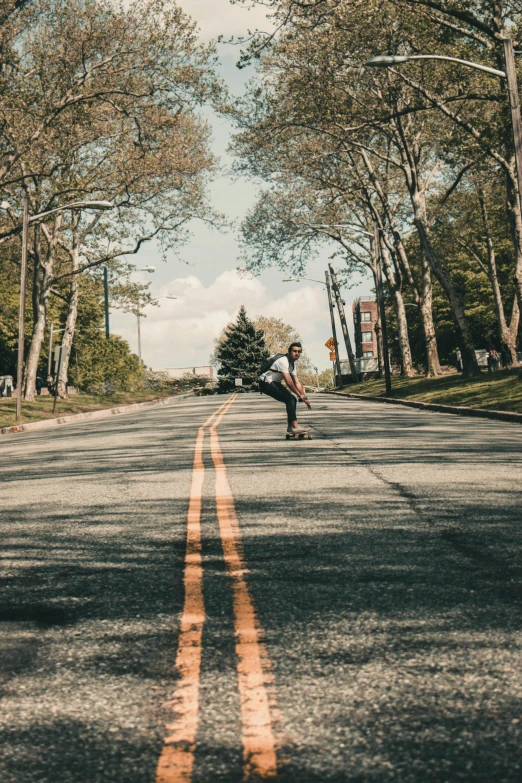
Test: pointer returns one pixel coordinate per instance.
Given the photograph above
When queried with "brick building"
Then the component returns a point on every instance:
(364, 319)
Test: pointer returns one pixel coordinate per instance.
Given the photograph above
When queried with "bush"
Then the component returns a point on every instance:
(106, 366)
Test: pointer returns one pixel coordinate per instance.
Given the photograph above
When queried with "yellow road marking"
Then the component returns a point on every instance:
(259, 757)
(176, 761)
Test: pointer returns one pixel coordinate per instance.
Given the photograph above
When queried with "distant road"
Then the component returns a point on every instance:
(186, 596)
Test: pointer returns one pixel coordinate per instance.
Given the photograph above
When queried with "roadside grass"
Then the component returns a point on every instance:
(501, 390)
(42, 407)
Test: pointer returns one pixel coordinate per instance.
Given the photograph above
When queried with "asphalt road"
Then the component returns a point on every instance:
(356, 616)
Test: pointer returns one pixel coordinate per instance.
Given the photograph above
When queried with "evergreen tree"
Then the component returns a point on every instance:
(241, 354)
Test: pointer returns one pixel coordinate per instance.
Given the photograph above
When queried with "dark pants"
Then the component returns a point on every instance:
(281, 394)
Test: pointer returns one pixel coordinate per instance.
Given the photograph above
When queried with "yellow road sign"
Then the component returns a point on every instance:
(332, 356)
(330, 343)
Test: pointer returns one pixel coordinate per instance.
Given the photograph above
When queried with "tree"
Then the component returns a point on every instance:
(104, 99)
(241, 354)
(277, 334)
(430, 125)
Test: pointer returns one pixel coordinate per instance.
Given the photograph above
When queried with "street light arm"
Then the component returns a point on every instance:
(385, 61)
(100, 205)
(467, 63)
(298, 280)
(346, 225)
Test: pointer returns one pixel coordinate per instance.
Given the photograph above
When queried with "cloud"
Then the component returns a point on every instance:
(220, 17)
(181, 332)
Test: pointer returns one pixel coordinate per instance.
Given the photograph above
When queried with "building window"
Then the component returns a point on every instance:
(367, 337)
(368, 354)
(366, 316)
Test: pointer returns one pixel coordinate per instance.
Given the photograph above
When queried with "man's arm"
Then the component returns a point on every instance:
(294, 384)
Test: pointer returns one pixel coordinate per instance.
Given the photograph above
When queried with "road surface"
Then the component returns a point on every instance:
(211, 604)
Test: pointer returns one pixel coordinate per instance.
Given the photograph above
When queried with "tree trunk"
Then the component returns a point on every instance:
(426, 312)
(42, 280)
(378, 331)
(508, 334)
(400, 311)
(465, 341)
(515, 220)
(424, 300)
(37, 338)
(70, 325)
(41, 291)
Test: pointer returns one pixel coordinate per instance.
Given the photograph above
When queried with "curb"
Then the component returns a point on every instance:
(480, 413)
(99, 414)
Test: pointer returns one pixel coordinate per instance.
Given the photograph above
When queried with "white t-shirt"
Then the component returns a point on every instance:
(275, 373)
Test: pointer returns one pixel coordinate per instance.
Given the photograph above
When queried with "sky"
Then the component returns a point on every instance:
(203, 276)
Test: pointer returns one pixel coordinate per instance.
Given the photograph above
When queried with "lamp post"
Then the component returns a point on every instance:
(28, 220)
(510, 75)
(106, 281)
(138, 316)
(330, 305)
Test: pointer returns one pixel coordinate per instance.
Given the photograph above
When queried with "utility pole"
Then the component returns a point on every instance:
(382, 311)
(334, 334)
(21, 315)
(342, 316)
(139, 337)
(514, 103)
(57, 378)
(106, 293)
(49, 360)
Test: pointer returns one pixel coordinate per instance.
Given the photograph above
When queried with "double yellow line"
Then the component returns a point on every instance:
(176, 762)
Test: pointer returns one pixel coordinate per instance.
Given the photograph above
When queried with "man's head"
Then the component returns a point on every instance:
(295, 350)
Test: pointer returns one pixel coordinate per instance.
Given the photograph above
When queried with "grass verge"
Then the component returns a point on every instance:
(42, 407)
(500, 391)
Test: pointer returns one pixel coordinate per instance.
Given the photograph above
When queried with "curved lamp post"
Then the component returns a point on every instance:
(138, 316)
(106, 281)
(510, 75)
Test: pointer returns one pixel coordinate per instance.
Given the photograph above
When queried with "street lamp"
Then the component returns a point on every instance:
(138, 316)
(26, 222)
(386, 61)
(298, 280)
(510, 75)
(167, 296)
(149, 269)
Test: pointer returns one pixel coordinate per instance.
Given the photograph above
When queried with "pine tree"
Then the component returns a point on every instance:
(241, 354)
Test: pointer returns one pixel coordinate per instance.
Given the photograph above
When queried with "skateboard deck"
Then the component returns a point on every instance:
(299, 436)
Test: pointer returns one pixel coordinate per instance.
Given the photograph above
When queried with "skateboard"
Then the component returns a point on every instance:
(300, 436)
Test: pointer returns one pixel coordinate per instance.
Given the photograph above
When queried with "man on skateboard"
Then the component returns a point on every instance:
(270, 382)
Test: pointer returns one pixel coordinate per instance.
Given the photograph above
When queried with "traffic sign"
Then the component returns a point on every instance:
(239, 381)
(332, 356)
(330, 344)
